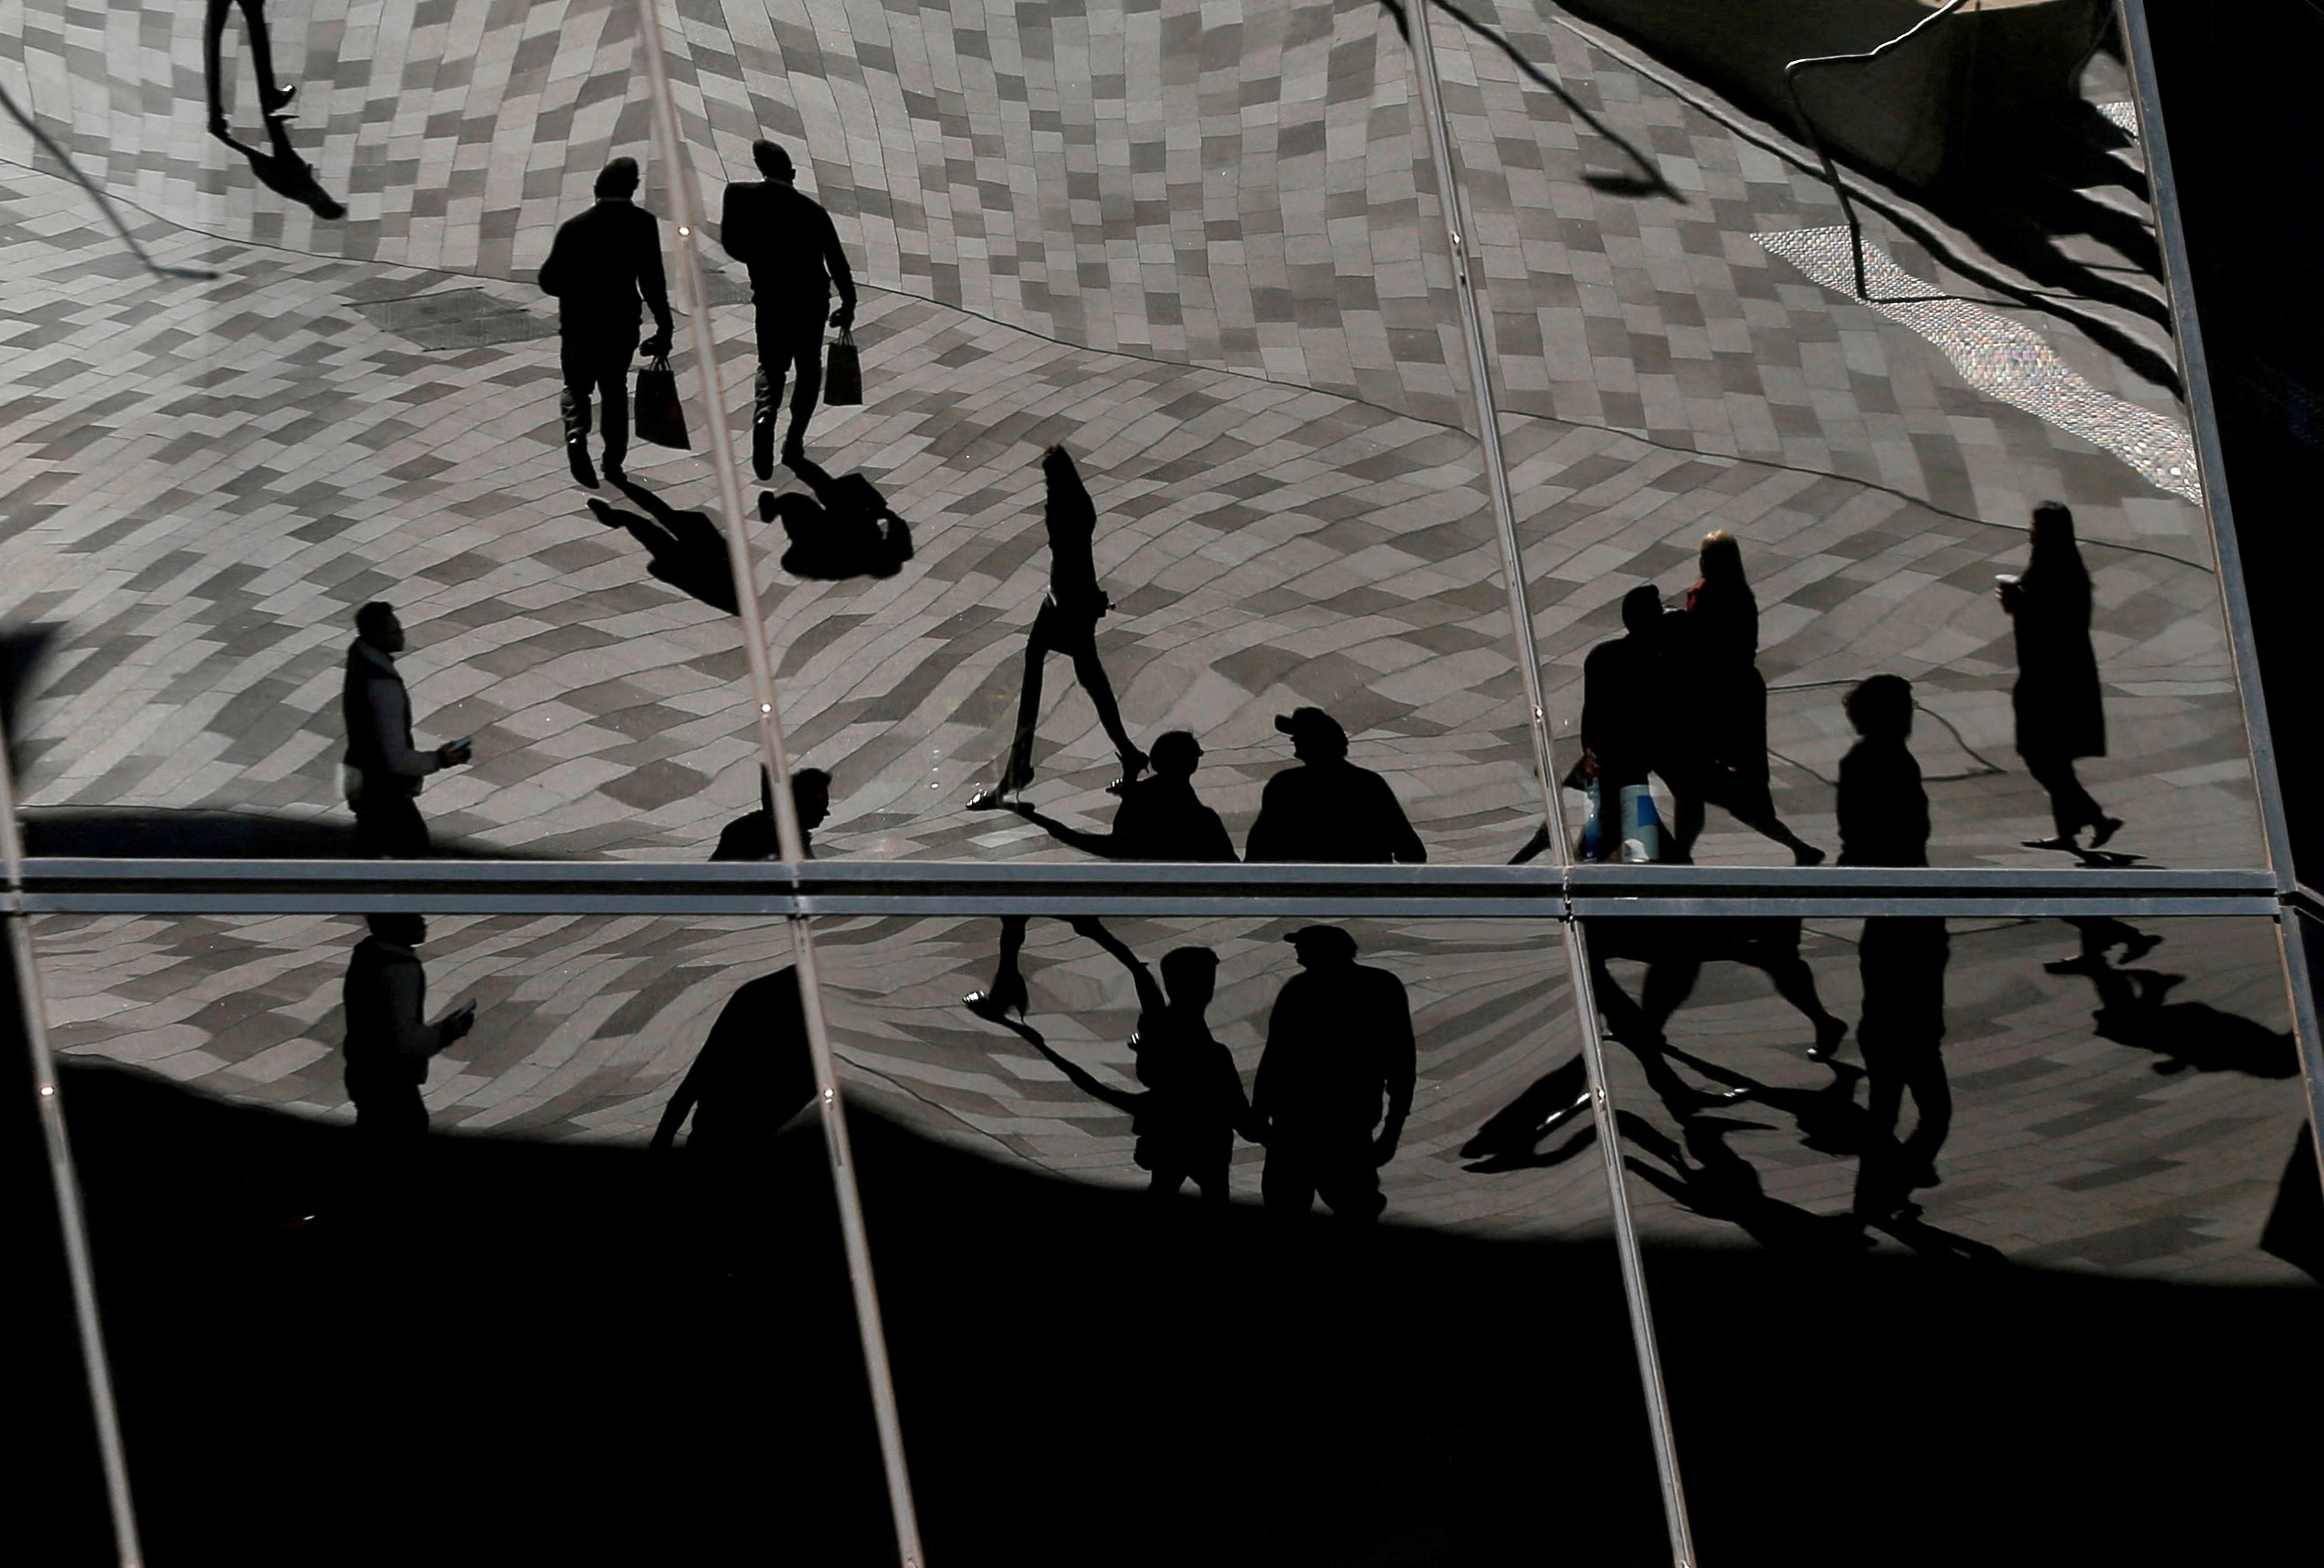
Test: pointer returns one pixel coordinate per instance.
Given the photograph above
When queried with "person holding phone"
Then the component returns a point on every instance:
(382, 771)
(389, 1041)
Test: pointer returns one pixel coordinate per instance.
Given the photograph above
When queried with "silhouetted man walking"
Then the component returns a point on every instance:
(382, 771)
(605, 271)
(1339, 1050)
(389, 1043)
(753, 1074)
(792, 250)
(1327, 809)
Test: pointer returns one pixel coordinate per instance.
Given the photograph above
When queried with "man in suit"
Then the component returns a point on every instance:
(792, 250)
(605, 271)
(382, 770)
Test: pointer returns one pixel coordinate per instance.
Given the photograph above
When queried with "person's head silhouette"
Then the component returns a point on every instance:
(772, 160)
(1176, 754)
(376, 623)
(618, 180)
(1642, 609)
(405, 930)
(810, 797)
(1722, 558)
(1322, 947)
(1191, 975)
(1881, 708)
(1315, 735)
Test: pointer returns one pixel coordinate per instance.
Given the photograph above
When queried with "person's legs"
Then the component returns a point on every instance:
(1007, 994)
(1286, 1183)
(2071, 807)
(1082, 644)
(1018, 770)
(270, 94)
(806, 355)
(388, 827)
(1794, 982)
(574, 361)
(1686, 816)
(1932, 1098)
(1878, 1192)
(610, 374)
(774, 359)
(212, 64)
(1348, 1184)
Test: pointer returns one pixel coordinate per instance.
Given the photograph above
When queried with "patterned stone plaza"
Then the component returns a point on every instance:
(1200, 245)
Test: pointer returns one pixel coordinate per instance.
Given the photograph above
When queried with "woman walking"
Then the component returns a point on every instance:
(1723, 754)
(2056, 699)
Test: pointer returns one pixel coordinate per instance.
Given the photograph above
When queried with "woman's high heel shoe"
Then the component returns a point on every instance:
(1007, 995)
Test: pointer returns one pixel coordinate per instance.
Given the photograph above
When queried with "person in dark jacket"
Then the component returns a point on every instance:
(605, 270)
(754, 1073)
(1340, 1063)
(1717, 751)
(1326, 809)
(1159, 818)
(1884, 812)
(752, 836)
(382, 770)
(389, 1043)
(1067, 623)
(2056, 703)
(792, 250)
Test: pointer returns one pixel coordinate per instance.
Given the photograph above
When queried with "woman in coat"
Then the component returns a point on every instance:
(1722, 749)
(2056, 697)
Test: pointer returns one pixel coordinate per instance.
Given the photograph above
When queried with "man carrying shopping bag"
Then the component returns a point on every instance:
(792, 250)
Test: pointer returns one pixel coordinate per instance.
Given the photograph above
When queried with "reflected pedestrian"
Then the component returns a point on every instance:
(382, 771)
(1626, 688)
(752, 836)
(605, 270)
(1067, 623)
(389, 1043)
(2061, 718)
(754, 1073)
(1719, 755)
(274, 99)
(1326, 809)
(792, 250)
(1339, 1062)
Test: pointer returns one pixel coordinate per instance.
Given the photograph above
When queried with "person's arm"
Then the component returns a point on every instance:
(652, 282)
(1216, 844)
(390, 707)
(681, 1105)
(1263, 844)
(1405, 845)
(1149, 991)
(1534, 846)
(834, 261)
(405, 997)
(553, 270)
(1402, 1065)
(1119, 1099)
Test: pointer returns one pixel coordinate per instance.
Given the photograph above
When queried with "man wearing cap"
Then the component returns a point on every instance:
(1339, 1050)
(792, 250)
(1327, 809)
(605, 268)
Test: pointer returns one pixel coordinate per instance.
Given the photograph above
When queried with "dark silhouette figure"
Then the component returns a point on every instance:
(1717, 753)
(753, 1074)
(751, 836)
(1510, 1136)
(389, 1043)
(685, 550)
(380, 773)
(1340, 1052)
(1706, 1177)
(2133, 1010)
(2100, 935)
(282, 170)
(2295, 1222)
(1674, 951)
(605, 268)
(788, 244)
(1159, 818)
(1884, 820)
(2056, 701)
(1626, 691)
(1067, 623)
(1193, 1105)
(274, 98)
(1326, 809)
(844, 530)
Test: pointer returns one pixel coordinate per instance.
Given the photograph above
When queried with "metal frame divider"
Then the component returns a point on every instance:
(1450, 207)
(685, 215)
(64, 1182)
(2299, 975)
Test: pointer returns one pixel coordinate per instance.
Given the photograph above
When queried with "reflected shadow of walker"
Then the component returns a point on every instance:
(687, 550)
(282, 170)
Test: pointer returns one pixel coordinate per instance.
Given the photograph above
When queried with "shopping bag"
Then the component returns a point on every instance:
(843, 373)
(1642, 826)
(660, 417)
(1592, 843)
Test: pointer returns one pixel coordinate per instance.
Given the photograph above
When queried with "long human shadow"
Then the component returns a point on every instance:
(282, 170)
(1648, 182)
(2133, 1010)
(685, 550)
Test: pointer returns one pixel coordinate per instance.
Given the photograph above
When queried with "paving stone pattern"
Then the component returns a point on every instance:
(2067, 1150)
